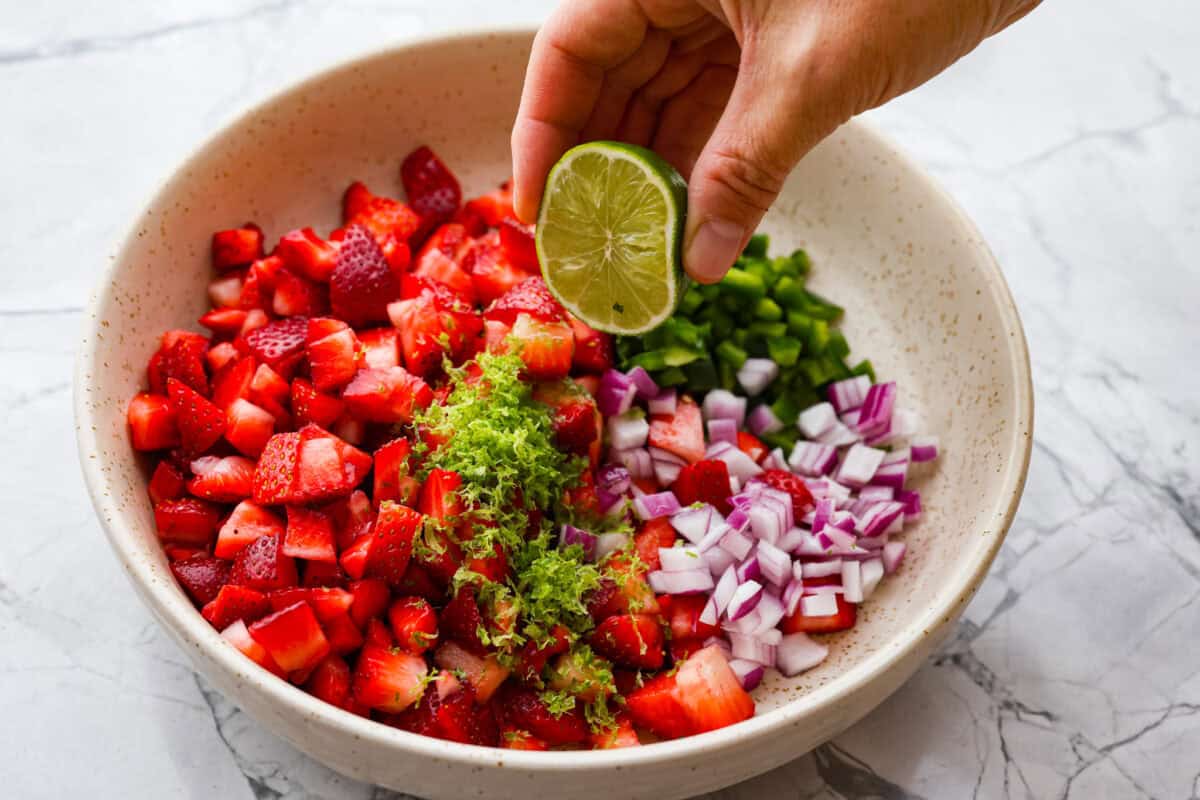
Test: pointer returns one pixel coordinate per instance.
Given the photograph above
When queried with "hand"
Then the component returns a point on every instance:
(732, 92)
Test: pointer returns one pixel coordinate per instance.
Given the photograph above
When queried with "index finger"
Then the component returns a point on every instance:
(580, 42)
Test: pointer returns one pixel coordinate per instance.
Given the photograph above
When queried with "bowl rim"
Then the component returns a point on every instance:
(170, 606)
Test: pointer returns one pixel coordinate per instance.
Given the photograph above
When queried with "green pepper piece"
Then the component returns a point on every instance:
(739, 283)
(671, 376)
(757, 246)
(784, 351)
(701, 375)
(730, 353)
(768, 310)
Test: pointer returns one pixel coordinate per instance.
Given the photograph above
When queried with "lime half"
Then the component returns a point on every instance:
(609, 235)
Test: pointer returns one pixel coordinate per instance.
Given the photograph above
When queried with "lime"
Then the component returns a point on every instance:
(609, 236)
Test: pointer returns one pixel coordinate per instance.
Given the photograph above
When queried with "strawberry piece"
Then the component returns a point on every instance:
(248, 427)
(750, 444)
(681, 433)
(222, 480)
(201, 577)
(460, 719)
(239, 636)
(183, 360)
(377, 635)
(392, 541)
(352, 516)
(343, 635)
(369, 599)
(517, 739)
(318, 574)
(326, 603)
(332, 359)
(384, 217)
(620, 597)
(221, 354)
(843, 619)
(527, 710)
(545, 347)
(330, 681)
(530, 296)
(329, 467)
(439, 501)
(297, 296)
(460, 621)
(802, 499)
(275, 475)
(152, 423)
(432, 190)
(381, 348)
(388, 680)
(709, 692)
(450, 239)
(267, 384)
(391, 395)
(622, 735)
(632, 640)
(224, 322)
(309, 405)
(433, 323)
(305, 253)
(362, 283)
(292, 637)
(532, 657)
(233, 381)
(484, 674)
(414, 624)
(226, 293)
(683, 649)
(279, 344)
(575, 428)
(394, 474)
(655, 706)
(652, 535)
(490, 270)
(683, 617)
(187, 521)
(309, 535)
(487, 211)
(706, 481)
(593, 348)
(166, 483)
(236, 247)
(234, 603)
(156, 379)
(262, 566)
(245, 524)
(433, 264)
(517, 241)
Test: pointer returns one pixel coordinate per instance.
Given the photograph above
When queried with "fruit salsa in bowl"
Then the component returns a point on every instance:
(415, 516)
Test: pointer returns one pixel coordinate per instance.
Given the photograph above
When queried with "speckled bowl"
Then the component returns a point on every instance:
(927, 303)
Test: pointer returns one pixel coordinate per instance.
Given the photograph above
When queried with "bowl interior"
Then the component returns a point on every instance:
(924, 301)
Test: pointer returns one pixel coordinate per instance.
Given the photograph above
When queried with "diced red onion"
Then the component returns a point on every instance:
(904, 423)
(756, 375)
(716, 532)
(878, 517)
(838, 436)
(695, 581)
(613, 478)
(666, 474)
(829, 588)
(736, 543)
(616, 393)
(822, 514)
(876, 413)
(652, 506)
(809, 547)
(850, 419)
(791, 596)
(766, 522)
(770, 612)
(744, 600)
(610, 543)
(775, 565)
(791, 539)
(872, 573)
(638, 462)
(664, 403)
(722, 430)
(816, 420)
(843, 520)
(751, 648)
(738, 520)
(897, 525)
(798, 653)
(912, 504)
(645, 385)
(718, 560)
(875, 494)
(725, 588)
(709, 615)
(822, 569)
(873, 542)
(835, 537)
(770, 635)
(693, 522)
(924, 448)
(893, 554)
(749, 570)
(891, 475)
(775, 460)
(679, 559)
(666, 457)
(817, 605)
(762, 420)
(812, 459)
(749, 674)
(628, 430)
(570, 535)
(859, 465)
(745, 625)
(852, 581)
(740, 465)
(722, 404)
(849, 394)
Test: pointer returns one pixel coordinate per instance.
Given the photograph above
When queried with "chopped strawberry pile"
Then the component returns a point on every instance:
(313, 486)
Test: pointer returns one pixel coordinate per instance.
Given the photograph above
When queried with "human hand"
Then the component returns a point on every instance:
(731, 92)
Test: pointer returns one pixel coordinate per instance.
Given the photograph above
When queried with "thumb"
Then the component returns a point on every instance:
(775, 114)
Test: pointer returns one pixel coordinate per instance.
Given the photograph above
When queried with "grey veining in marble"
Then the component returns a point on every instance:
(1071, 140)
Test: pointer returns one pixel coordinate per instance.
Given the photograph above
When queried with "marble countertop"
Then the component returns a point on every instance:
(1072, 142)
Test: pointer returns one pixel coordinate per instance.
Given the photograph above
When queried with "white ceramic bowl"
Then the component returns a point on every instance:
(926, 302)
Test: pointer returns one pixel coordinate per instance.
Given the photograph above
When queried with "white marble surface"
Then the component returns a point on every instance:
(1072, 141)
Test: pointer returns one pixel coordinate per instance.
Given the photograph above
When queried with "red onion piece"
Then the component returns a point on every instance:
(812, 459)
(613, 478)
(816, 420)
(850, 393)
(875, 416)
(722, 404)
(749, 570)
(912, 504)
(756, 374)
(664, 403)
(722, 430)
(745, 599)
(693, 522)
(666, 474)
(569, 535)
(875, 494)
(646, 387)
(770, 612)
(859, 465)
(775, 565)
(872, 573)
(615, 395)
(818, 605)
(741, 466)
(718, 560)
(710, 615)
(751, 648)
(652, 506)
(893, 554)
(792, 539)
(749, 674)
(637, 461)
(610, 543)
(838, 436)
(852, 581)
(696, 581)
(878, 518)
(791, 596)
(776, 460)
(679, 559)
(924, 448)
(723, 593)
(822, 569)
(716, 532)
(798, 653)
(762, 420)
(736, 543)
(627, 431)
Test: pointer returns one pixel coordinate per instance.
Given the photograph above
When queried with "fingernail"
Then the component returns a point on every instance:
(713, 249)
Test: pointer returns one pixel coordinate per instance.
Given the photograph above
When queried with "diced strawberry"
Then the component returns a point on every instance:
(575, 427)
(222, 480)
(683, 616)
(248, 522)
(330, 681)
(490, 270)
(352, 516)
(255, 318)
(706, 481)
(487, 211)
(414, 624)
(152, 423)
(326, 602)
(309, 535)
(391, 395)
(710, 693)
(343, 635)
(388, 680)
(589, 383)
(681, 433)
(187, 521)
(435, 265)
(183, 359)
(236, 247)
(234, 603)
(461, 719)
(221, 354)
(305, 253)
(320, 327)
(593, 348)
(751, 445)
(268, 384)
(434, 323)
(432, 190)
(362, 283)
(239, 636)
(419, 583)
(652, 535)
(377, 634)
(248, 427)
(621, 735)
(293, 637)
(298, 296)
(201, 577)
(439, 500)
(382, 216)
(233, 381)
(545, 347)
(683, 649)
(279, 344)
(156, 379)
(655, 706)
(226, 295)
(516, 739)
(526, 710)
(384, 551)
(275, 474)
(532, 657)
(517, 240)
(844, 619)
(370, 598)
(166, 483)
(633, 640)
(631, 594)
(394, 474)
(262, 566)
(333, 359)
(531, 297)
(381, 348)
(309, 405)
(802, 499)
(460, 621)
(224, 322)
(319, 574)
(329, 467)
